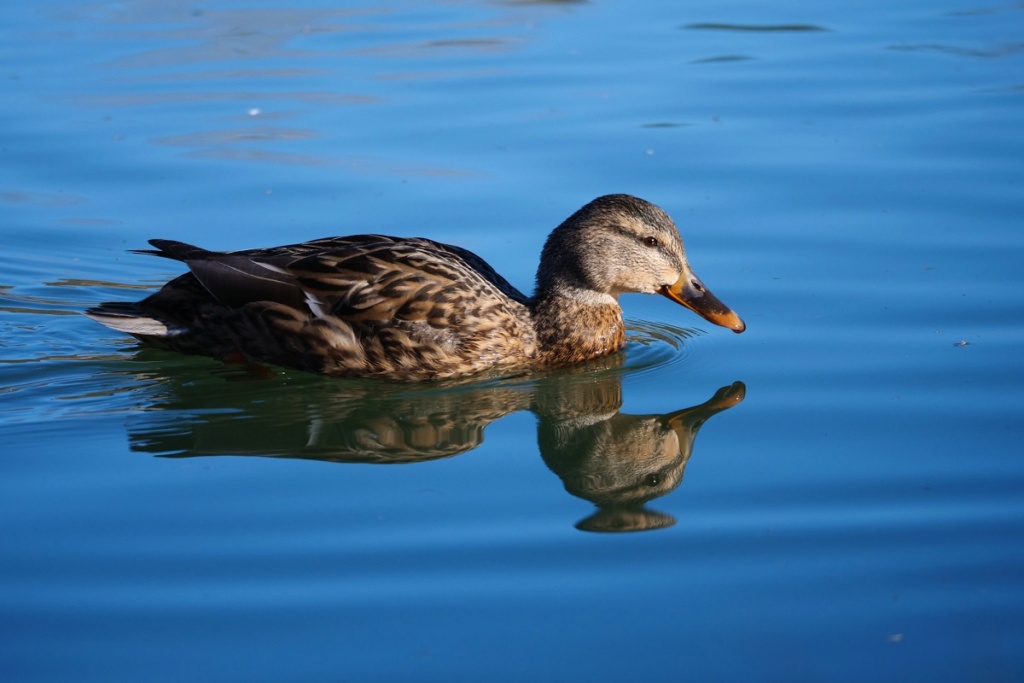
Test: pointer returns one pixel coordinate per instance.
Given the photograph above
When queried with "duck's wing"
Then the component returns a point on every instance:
(361, 277)
(412, 280)
(443, 253)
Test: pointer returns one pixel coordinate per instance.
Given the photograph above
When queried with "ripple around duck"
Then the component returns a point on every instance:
(652, 347)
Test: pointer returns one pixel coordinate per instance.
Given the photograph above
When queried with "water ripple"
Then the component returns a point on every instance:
(654, 346)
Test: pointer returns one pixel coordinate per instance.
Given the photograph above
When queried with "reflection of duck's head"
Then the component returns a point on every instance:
(625, 460)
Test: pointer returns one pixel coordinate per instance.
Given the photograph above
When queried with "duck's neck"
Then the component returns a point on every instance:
(576, 325)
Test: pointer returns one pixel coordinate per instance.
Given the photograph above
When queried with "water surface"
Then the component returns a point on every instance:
(848, 178)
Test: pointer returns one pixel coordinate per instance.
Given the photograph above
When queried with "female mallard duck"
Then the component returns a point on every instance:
(414, 309)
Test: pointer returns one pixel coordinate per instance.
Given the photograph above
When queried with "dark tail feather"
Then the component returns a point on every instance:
(172, 249)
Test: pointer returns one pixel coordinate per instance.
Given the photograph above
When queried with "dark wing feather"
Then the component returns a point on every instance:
(236, 281)
(233, 278)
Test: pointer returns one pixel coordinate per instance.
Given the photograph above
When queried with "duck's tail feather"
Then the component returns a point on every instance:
(172, 249)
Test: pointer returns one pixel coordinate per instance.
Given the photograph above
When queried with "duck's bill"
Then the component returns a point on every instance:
(691, 292)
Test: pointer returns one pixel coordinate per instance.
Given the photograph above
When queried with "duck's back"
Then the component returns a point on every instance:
(364, 305)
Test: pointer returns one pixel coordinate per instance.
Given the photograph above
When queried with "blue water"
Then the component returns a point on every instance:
(848, 177)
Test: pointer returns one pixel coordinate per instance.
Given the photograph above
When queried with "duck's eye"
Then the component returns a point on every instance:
(652, 479)
(650, 241)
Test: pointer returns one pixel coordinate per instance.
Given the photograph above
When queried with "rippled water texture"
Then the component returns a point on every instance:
(835, 495)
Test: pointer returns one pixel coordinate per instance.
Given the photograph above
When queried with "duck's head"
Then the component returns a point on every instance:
(619, 243)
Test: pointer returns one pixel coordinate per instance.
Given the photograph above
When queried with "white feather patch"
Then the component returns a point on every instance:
(317, 306)
(147, 327)
(271, 267)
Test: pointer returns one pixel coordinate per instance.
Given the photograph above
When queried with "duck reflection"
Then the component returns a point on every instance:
(617, 461)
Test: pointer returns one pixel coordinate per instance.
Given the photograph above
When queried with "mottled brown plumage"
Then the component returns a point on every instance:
(415, 309)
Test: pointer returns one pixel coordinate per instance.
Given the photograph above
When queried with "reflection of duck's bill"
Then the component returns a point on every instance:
(689, 291)
(683, 421)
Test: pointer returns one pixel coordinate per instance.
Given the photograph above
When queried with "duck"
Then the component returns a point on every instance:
(413, 309)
